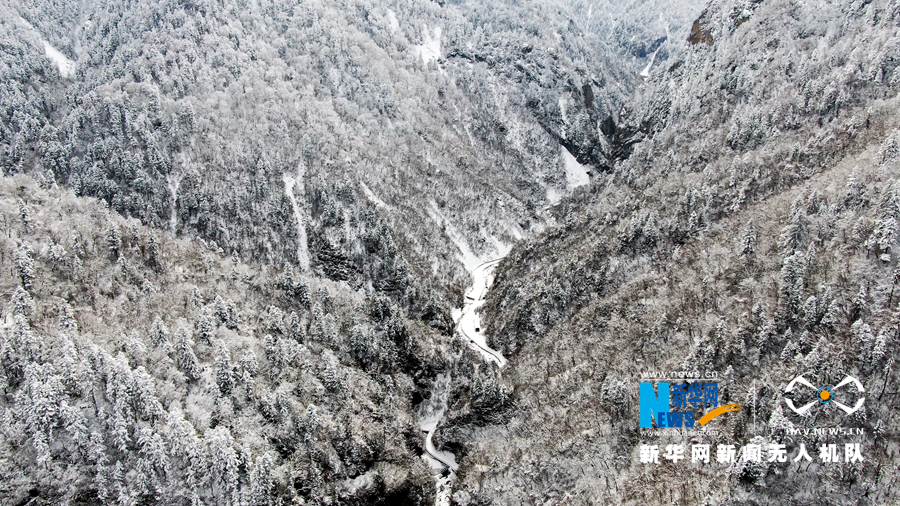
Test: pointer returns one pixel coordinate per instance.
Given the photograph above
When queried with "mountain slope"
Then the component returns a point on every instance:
(138, 368)
(297, 134)
(751, 233)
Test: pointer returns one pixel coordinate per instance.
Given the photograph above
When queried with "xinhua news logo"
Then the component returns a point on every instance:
(669, 407)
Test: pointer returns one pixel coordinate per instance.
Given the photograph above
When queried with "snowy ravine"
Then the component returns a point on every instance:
(469, 324)
(289, 183)
(174, 183)
(432, 411)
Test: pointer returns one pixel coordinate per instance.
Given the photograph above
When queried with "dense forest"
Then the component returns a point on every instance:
(239, 236)
(753, 232)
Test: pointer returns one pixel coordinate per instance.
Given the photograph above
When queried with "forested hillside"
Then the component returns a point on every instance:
(140, 369)
(752, 232)
(379, 144)
(238, 236)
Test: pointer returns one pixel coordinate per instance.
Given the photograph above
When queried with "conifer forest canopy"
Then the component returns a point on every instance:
(449, 252)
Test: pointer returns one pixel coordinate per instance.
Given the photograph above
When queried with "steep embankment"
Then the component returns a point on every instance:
(369, 143)
(753, 233)
(138, 368)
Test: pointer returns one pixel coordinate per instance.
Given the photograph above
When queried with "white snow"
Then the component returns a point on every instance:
(372, 197)
(65, 65)
(470, 323)
(430, 414)
(468, 258)
(432, 410)
(430, 49)
(646, 71)
(302, 244)
(393, 23)
(576, 174)
(553, 196)
(562, 109)
(174, 182)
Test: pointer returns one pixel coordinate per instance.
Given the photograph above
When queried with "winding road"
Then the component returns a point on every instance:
(431, 413)
(469, 324)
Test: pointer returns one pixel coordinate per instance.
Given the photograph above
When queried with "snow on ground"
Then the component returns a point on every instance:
(65, 65)
(372, 197)
(302, 245)
(646, 71)
(470, 322)
(430, 49)
(576, 174)
(430, 413)
(562, 109)
(393, 23)
(468, 258)
(432, 410)
(553, 196)
(174, 183)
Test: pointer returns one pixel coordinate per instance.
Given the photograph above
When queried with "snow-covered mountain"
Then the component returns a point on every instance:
(240, 232)
(419, 136)
(750, 233)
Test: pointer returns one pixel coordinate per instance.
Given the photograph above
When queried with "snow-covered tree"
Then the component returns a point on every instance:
(184, 354)
(223, 369)
(206, 328)
(159, 334)
(224, 465)
(25, 265)
(21, 302)
(749, 240)
(113, 239)
(261, 480)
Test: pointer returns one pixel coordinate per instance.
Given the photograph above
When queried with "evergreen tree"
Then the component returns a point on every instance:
(206, 327)
(21, 349)
(226, 312)
(67, 322)
(145, 399)
(184, 354)
(21, 302)
(261, 480)
(310, 423)
(39, 401)
(159, 334)
(113, 239)
(274, 319)
(298, 332)
(25, 214)
(329, 372)
(748, 240)
(833, 315)
(794, 234)
(25, 265)
(274, 353)
(790, 293)
(224, 465)
(883, 238)
(791, 349)
(247, 367)
(223, 369)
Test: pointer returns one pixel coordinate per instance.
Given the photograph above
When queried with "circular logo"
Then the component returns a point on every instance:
(824, 395)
